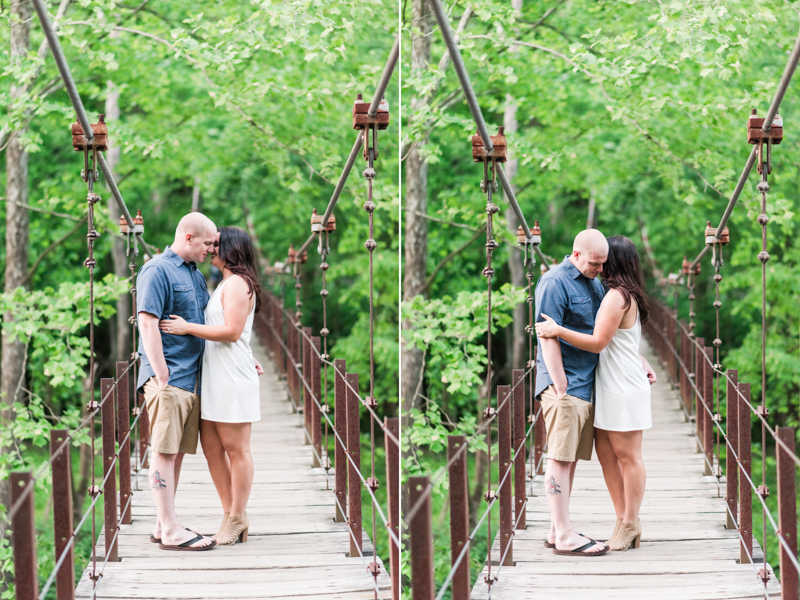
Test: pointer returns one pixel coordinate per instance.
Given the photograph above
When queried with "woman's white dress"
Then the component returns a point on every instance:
(229, 390)
(622, 392)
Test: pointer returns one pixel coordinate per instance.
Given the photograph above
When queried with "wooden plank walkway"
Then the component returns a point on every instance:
(294, 550)
(686, 552)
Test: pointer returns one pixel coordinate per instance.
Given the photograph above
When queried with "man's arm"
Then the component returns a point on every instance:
(151, 340)
(551, 353)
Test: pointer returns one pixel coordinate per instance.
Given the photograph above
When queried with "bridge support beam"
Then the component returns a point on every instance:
(144, 434)
(731, 468)
(123, 428)
(108, 391)
(745, 493)
(305, 383)
(504, 402)
(708, 397)
(313, 373)
(421, 535)
(354, 465)
(392, 426)
(340, 438)
(459, 516)
(787, 512)
(699, 413)
(62, 513)
(520, 495)
(26, 578)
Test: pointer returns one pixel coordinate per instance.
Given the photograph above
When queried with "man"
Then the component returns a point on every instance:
(169, 375)
(571, 295)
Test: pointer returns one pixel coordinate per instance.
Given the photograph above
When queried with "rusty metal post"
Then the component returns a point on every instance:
(731, 468)
(144, 433)
(684, 380)
(283, 362)
(539, 430)
(504, 471)
(291, 361)
(26, 578)
(520, 516)
(421, 535)
(109, 452)
(124, 427)
(708, 422)
(459, 516)
(671, 336)
(340, 438)
(745, 497)
(392, 427)
(315, 376)
(354, 464)
(304, 377)
(787, 511)
(699, 373)
(62, 513)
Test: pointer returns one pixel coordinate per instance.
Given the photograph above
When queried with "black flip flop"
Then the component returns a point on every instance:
(155, 540)
(187, 545)
(546, 543)
(580, 551)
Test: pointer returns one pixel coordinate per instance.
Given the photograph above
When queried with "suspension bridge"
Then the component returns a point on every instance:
(306, 538)
(697, 517)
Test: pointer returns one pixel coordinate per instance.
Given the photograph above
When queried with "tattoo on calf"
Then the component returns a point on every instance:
(552, 487)
(159, 483)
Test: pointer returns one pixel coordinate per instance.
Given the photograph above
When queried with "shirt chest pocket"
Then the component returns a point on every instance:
(184, 303)
(580, 308)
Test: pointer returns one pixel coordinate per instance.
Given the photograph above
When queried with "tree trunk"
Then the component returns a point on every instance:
(519, 345)
(416, 203)
(197, 201)
(13, 359)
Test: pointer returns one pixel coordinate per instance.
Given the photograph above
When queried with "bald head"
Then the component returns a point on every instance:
(589, 252)
(194, 237)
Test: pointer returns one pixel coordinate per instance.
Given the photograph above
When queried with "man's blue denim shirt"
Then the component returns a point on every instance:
(168, 285)
(571, 299)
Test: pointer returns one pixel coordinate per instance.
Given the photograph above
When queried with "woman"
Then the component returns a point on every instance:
(229, 390)
(622, 389)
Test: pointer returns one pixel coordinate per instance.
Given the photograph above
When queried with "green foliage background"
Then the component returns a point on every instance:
(643, 105)
(253, 101)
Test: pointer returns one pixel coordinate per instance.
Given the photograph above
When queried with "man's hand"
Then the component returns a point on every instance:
(162, 380)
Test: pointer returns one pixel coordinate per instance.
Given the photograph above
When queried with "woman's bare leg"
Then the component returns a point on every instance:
(627, 447)
(612, 470)
(218, 464)
(235, 438)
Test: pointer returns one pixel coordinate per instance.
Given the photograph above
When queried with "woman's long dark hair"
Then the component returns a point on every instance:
(236, 251)
(622, 272)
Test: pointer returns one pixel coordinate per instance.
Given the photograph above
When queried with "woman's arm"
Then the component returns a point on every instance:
(608, 320)
(235, 304)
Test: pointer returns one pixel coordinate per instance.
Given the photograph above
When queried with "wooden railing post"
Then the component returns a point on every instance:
(306, 380)
(392, 428)
(144, 433)
(539, 430)
(460, 586)
(699, 413)
(340, 438)
(708, 397)
(124, 427)
(787, 511)
(26, 578)
(62, 513)
(671, 336)
(504, 471)
(421, 535)
(108, 391)
(315, 376)
(291, 361)
(283, 360)
(745, 498)
(517, 379)
(354, 453)
(731, 468)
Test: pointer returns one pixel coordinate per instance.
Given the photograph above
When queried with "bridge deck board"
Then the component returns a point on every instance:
(686, 552)
(294, 550)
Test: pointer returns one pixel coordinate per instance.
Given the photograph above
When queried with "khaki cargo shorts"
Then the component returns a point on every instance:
(570, 426)
(174, 418)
